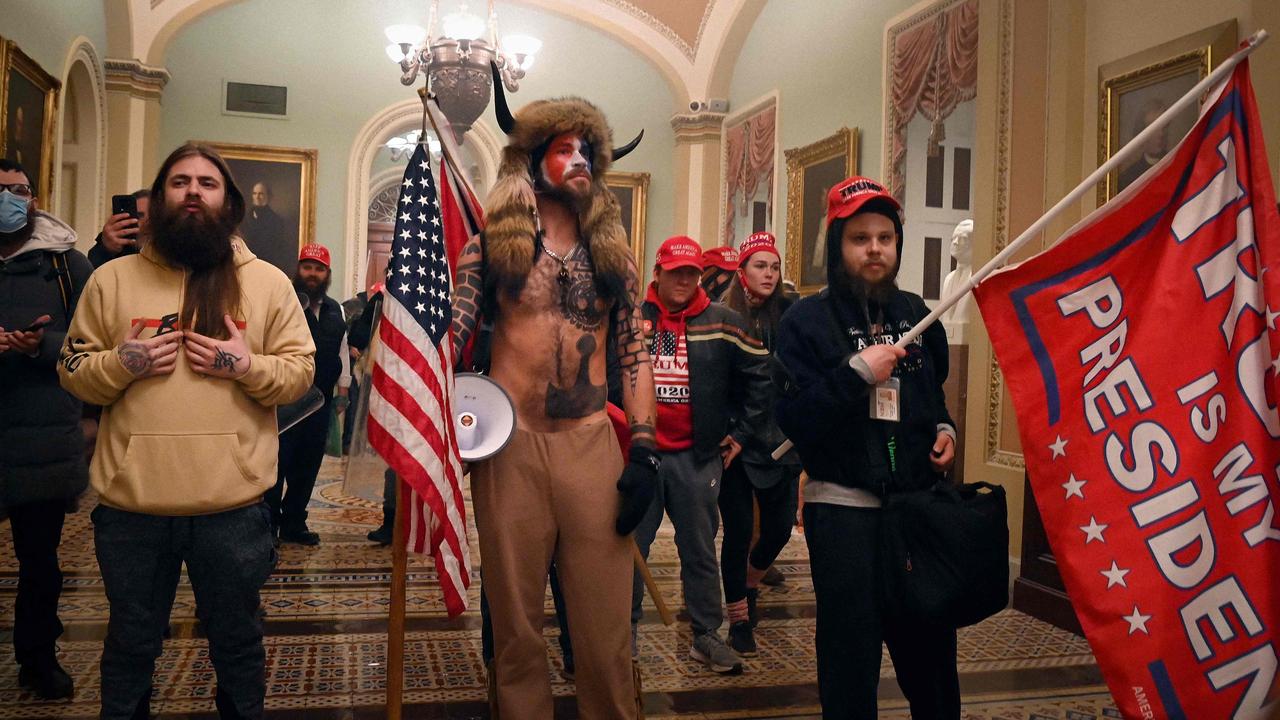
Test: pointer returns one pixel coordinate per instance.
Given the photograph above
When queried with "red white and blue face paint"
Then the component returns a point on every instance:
(567, 163)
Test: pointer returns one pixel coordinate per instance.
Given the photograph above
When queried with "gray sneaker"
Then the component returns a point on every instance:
(711, 651)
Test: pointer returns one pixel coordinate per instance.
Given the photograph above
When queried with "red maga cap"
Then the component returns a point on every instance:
(757, 242)
(723, 257)
(316, 252)
(850, 195)
(679, 251)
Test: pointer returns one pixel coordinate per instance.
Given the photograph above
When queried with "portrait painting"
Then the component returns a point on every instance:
(30, 108)
(812, 171)
(279, 195)
(1136, 90)
(631, 190)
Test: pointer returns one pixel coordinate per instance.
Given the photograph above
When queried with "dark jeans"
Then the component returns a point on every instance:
(229, 556)
(845, 564)
(37, 532)
(777, 515)
(301, 452)
(486, 627)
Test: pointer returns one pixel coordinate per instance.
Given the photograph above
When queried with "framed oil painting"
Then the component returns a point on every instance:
(279, 186)
(812, 171)
(1135, 90)
(632, 192)
(29, 97)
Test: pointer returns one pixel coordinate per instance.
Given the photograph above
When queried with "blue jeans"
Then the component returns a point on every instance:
(229, 556)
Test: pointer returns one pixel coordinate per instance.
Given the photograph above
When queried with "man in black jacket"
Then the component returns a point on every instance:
(302, 446)
(868, 419)
(713, 389)
(121, 233)
(42, 464)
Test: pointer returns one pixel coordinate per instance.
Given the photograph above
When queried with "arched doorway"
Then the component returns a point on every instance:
(79, 177)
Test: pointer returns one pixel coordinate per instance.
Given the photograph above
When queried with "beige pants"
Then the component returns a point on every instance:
(554, 495)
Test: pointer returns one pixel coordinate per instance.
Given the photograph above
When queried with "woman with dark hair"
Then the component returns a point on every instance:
(757, 294)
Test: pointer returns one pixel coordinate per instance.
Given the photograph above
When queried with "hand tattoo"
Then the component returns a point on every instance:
(223, 360)
(135, 358)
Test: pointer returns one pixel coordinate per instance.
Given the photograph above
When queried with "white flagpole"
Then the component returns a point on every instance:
(1131, 149)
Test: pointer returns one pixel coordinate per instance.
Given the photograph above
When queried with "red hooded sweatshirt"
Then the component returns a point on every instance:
(670, 357)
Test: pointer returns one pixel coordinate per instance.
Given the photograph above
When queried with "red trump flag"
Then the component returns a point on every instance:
(1142, 357)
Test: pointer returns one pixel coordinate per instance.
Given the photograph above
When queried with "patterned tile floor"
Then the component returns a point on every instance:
(326, 644)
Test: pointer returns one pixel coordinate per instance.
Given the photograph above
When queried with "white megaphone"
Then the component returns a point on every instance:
(484, 419)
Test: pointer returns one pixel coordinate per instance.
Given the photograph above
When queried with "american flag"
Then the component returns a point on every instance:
(410, 410)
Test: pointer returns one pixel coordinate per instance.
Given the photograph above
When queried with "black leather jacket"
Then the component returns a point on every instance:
(728, 377)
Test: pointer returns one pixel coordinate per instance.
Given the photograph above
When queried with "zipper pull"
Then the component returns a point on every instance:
(908, 562)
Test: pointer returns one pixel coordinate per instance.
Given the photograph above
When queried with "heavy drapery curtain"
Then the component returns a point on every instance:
(934, 68)
(749, 161)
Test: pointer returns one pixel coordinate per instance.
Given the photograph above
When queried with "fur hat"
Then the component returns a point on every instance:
(510, 232)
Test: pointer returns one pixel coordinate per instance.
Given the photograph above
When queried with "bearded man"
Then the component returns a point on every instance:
(836, 351)
(188, 346)
(302, 446)
(554, 273)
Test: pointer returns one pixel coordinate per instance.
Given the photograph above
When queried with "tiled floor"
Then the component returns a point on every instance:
(326, 644)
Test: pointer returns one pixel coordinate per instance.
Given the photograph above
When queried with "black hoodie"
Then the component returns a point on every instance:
(824, 406)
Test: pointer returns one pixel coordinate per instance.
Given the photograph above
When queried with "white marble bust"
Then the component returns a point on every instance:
(958, 316)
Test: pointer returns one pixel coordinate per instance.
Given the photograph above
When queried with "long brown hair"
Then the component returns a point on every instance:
(762, 320)
(213, 292)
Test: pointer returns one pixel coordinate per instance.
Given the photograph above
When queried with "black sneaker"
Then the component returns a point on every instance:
(380, 535)
(47, 680)
(742, 639)
(773, 577)
(298, 535)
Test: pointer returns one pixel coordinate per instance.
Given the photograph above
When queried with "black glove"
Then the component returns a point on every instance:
(637, 484)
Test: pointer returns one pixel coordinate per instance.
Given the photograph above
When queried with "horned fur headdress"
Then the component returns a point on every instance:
(511, 242)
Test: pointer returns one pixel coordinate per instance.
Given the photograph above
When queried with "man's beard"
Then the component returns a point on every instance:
(19, 237)
(300, 286)
(854, 287)
(197, 242)
(562, 193)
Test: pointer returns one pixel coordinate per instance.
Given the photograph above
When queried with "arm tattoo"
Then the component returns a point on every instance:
(134, 357)
(467, 293)
(626, 329)
(223, 360)
(643, 433)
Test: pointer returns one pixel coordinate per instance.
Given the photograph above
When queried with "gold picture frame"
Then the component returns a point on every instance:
(632, 191)
(812, 170)
(1134, 89)
(29, 99)
(277, 233)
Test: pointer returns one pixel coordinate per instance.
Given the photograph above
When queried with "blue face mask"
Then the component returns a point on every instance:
(13, 212)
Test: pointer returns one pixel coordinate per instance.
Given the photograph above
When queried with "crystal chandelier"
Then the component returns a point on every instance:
(457, 62)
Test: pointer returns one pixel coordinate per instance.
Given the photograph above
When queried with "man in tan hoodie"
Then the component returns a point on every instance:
(188, 346)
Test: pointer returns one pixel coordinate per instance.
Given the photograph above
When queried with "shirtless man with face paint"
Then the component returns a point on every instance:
(554, 273)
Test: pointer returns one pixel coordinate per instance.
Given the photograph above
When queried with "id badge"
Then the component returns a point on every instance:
(885, 400)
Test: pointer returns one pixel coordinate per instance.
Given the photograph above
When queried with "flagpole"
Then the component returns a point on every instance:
(395, 621)
(1131, 149)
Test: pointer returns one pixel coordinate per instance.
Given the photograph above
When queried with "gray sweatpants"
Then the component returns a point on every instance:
(687, 492)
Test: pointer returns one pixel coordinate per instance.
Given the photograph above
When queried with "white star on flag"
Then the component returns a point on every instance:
(1059, 448)
(1073, 487)
(1137, 621)
(404, 287)
(1115, 576)
(404, 252)
(1093, 531)
(420, 307)
(405, 217)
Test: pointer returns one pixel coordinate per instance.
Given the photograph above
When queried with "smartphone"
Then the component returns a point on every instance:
(124, 204)
(37, 325)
